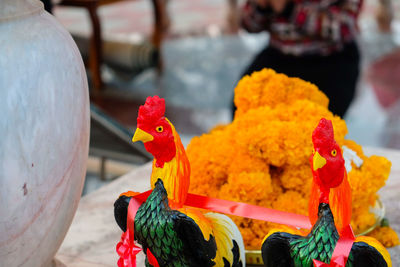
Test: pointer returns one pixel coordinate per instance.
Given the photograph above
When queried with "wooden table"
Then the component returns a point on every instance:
(93, 235)
(95, 50)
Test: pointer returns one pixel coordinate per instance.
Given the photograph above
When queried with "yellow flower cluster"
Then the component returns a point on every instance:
(262, 157)
(386, 235)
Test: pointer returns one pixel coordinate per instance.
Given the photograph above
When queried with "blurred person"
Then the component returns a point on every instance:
(314, 40)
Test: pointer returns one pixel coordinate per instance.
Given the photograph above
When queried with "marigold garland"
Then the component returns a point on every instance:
(262, 156)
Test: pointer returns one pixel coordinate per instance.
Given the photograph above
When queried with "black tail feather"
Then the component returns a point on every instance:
(363, 254)
(237, 262)
(276, 250)
(236, 255)
(121, 211)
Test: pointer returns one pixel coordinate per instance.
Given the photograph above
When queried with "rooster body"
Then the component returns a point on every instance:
(282, 249)
(174, 234)
(171, 235)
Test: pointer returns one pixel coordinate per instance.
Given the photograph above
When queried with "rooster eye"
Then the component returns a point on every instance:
(159, 129)
(313, 151)
(334, 152)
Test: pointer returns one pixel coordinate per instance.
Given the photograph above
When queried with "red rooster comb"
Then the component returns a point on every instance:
(323, 134)
(152, 110)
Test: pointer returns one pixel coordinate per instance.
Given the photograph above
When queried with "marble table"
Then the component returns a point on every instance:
(93, 234)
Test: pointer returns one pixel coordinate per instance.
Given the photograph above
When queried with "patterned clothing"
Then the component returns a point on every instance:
(306, 26)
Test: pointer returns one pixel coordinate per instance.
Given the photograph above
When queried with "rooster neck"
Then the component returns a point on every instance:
(324, 195)
(324, 191)
(325, 228)
(319, 243)
(174, 173)
(325, 217)
(154, 217)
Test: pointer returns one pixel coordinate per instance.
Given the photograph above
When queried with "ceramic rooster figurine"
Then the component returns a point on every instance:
(169, 232)
(329, 212)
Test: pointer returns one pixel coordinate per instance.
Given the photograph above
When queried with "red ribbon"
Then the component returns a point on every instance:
(248, 211)
(242, 210)
(126, 248)
(151, 258)
(339, 256)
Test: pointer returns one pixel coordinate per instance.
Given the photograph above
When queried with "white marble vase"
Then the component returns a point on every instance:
(44, 133)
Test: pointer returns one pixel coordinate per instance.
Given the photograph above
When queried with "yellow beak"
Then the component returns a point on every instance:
(141, 135)
(318, 161)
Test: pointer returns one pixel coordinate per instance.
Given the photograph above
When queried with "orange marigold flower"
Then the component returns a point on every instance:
(297, 178)
(267, 88)
(247, 187)
(362, 219)
(262, 157)
(386, 235)
(285, 202)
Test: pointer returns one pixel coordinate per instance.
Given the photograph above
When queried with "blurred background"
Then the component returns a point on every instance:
(192, 54)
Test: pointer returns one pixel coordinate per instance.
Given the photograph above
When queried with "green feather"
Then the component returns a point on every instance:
(325, 237)
(312, 246)
(160, 232)
(328, 248)
(314, 254)
(166, 249)
(152, 232)
(323, 256)
(150, 242)
(169, 230)
(157, 242)
(320, 247)
(145, 231)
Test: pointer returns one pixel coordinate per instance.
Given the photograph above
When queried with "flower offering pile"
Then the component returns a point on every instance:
(262, 157)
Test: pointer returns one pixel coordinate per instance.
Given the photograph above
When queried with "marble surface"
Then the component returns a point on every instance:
(44, 129)
(93, 234)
